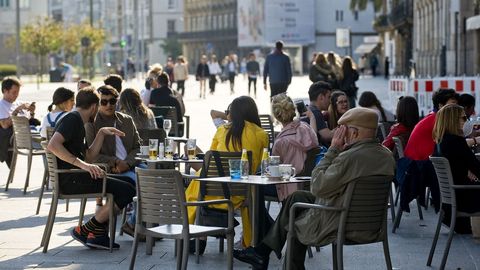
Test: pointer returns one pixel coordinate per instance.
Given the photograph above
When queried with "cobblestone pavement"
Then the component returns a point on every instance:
(21, 230)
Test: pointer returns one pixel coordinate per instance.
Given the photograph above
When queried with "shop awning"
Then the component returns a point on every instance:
(473, 23)
(365, 48)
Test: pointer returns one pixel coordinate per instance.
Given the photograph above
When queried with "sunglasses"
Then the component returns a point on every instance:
(104, 102)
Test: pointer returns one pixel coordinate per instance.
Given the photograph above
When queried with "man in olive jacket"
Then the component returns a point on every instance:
(118, 152)
(354, 153)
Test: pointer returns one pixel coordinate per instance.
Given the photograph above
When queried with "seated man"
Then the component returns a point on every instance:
(345, 161)
(68, 144)
(162, 96)
(10, 106)
(118, 152)
(319, 95)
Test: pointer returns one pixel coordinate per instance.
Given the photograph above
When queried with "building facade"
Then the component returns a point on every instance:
(442, 45)
(29, 11)
(136, 29)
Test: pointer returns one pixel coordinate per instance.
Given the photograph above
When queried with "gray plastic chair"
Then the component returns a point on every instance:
(364, 210)
(447, 197)
(161, 201)
(23, 146)
(266, 123)
(57, 194)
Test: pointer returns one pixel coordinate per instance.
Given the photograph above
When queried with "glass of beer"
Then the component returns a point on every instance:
(191, 147)
(153, 148)
(169, 148)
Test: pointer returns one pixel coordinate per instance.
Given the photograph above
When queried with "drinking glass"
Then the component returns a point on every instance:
(169, 148)
(153, 148)
(286, 171)
(167, 126)
(235, 168)
(191, 147)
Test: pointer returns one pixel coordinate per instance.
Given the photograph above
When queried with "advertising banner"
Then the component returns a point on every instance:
(251, 23)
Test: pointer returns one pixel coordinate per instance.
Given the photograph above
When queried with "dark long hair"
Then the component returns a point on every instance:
(242, 109)
(407, 112)
(347, 66)
(369, 99)
(131, 104)
(333, 114)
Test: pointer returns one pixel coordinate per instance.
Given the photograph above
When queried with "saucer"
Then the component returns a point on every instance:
(274, 177)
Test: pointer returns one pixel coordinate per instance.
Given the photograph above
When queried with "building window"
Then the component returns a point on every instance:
(4, 3)
(355, 15)
(339, 15)
(171, 4)
(24, 4)
(171, 26)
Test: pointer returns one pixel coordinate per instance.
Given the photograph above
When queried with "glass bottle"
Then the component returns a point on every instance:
(264, 164)
(244, 164)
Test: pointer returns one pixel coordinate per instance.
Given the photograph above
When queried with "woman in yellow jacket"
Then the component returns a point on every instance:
(243, 132)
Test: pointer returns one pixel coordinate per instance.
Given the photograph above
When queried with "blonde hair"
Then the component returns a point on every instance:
(283, 108)
(155, 70)
(447, 120)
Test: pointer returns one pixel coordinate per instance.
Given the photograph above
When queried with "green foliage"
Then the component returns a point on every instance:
(362, 4)
(171, 47)
(41, 37)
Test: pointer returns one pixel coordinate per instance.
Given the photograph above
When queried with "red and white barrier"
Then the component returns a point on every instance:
(423, 89)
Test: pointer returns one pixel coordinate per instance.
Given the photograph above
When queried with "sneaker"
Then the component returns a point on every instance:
(78, 235)
(100, 241)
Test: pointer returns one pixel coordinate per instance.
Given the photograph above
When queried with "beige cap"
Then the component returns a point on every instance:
(360, 117)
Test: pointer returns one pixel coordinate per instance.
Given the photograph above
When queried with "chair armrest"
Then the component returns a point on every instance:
(294, 207)
(222, 201)
(104, 166)
(466, 186)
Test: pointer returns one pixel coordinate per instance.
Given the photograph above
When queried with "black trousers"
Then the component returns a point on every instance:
(181, 85)
(254, 81)
(278, 88)
(277, 236)
(121, 187)
(212, 82)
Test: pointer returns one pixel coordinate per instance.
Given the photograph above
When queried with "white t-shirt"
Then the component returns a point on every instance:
(214, 68)
(120, 151)
(6, 108)
(46, 123)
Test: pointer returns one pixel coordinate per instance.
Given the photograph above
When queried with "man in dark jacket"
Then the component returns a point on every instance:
(278, 68)
(163, 96)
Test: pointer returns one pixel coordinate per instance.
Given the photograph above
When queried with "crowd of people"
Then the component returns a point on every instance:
(100, 125)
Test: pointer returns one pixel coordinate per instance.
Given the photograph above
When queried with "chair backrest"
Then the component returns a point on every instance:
(210, 169)
(266, 123)
(50, 131)
(445, 179)
(21, 132)
(168, 112)
(309, 163)
(399, 146)
(160, 197)
(366, 204)
(146, 134)
(52, 167)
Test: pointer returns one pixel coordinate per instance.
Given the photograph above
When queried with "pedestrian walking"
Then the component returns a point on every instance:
(215, 69)
(253, 70)
(373, 64)
(347, 84)
(202, 75)
(278, 68)
(387, 67)
(232, 67)
(180, 73)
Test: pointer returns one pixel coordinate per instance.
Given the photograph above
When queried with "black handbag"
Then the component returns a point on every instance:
(211, 216)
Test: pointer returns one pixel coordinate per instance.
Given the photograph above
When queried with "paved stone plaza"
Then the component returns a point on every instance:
(21, 230)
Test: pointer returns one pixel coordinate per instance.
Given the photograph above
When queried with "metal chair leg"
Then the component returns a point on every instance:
(449, 240)
(42, 188)
(420, 214)
(386, 251)
(133, 254)
(50, 223)
(396, 224)
(29, 162)
(12, 170)
(83, 203)
(309, 251)
(435, 237)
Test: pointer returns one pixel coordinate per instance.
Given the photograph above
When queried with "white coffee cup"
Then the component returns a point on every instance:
(287, 171)
(273, 171)
(144, 150)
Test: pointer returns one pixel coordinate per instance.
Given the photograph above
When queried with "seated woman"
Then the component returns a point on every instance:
(369, 100)
(407, 118)
(64, 100)
(293, 142)
(242, 132)
(131, 104)
(451, 144)
(338, 106)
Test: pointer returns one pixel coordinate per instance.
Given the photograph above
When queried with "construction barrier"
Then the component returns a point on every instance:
(423, 89)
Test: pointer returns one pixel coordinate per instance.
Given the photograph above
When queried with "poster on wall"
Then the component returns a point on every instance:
(251, 23)
(291, 21)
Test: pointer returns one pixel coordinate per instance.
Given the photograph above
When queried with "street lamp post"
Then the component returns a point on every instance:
(92, 63)
(17, 39)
